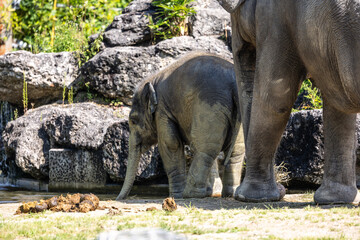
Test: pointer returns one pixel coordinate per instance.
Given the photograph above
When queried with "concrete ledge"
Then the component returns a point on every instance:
(42, 186)
(26, 183)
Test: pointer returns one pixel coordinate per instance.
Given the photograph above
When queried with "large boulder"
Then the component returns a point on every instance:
(131, 27)
(210, 19)
(115, 72)
(8, 113)
(115, 152)
(79, 125)
(128, 56)
(93, 133)
(301, 150)
(27, 143)
(46, 74)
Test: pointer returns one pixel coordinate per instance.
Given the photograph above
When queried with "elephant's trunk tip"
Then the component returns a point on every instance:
(121, 196)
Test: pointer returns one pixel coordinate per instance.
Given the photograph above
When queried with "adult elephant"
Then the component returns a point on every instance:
(275, 44)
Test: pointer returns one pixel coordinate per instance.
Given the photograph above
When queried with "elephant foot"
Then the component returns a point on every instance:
(228, 191)
(214, 190)
(195, 192)
(335, 193)
(256, 192)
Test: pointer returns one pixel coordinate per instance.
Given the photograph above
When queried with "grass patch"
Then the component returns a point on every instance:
(194, 222)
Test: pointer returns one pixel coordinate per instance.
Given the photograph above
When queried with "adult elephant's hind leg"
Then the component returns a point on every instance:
(339, 182)
(277, 81)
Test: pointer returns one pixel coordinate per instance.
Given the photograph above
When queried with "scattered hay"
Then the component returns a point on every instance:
(114, 211)
(71, 203)
(151, 209)
(169, 204)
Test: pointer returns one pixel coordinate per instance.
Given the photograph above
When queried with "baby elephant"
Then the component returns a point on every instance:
(193, 102)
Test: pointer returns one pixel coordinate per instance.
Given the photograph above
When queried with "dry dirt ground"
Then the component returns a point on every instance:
(296, 217)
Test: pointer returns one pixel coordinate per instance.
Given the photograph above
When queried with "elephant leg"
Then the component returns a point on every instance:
(214, 185)
(277, 81)
(233, 170)
(198, 174)
(339, 182)
(244, 64)
(174, 161)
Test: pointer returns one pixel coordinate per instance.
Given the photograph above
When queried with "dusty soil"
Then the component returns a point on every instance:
(134, 205)
(298, 222)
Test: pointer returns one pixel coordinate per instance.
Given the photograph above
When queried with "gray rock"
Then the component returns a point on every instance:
(45, 74)
(138, 6)
(79, 125)
(27, 143)
(6, 115)
(178, 46)
(75, 169)
(95, 133)
(115, 151)
(210, 19)
(302, 147)
(141, 234)
(115, 72)
(131, 27)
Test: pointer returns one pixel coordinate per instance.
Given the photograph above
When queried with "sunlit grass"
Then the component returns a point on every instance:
(195, 223)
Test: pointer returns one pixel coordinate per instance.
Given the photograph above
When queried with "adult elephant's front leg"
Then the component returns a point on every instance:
(339, 182)
(275, 90)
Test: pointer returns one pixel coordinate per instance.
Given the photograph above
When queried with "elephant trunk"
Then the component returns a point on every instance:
(230, 5)
(133, 162)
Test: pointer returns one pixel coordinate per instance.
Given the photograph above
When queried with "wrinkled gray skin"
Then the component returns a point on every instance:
(193, 102)
(275, 44)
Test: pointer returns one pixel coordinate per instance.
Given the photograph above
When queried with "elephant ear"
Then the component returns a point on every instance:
(230, 5)
(151, 97)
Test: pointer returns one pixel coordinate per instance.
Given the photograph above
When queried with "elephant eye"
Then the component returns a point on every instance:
(134, 120)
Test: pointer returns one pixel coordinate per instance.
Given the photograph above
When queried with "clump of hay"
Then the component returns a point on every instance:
(169, 204)
(71, 203)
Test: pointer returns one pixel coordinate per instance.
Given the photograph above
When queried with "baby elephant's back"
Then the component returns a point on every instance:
(205, 78)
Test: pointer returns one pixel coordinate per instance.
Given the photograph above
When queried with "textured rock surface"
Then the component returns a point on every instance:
(45, 74)
(128, 56)
(115, 72)
(131, 27)
(75, 169)
(79, 125)
(302, 147)
(27, 143)
(210, 19)
(6, 115)
(115, 151)
(91, 129)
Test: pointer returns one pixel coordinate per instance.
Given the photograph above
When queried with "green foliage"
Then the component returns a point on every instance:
(89, 95)
(74, 20)
(25, 95)
(171, 18)
(16, 113)
(71, 95)
(5, 11)
(312, 96)
(64, 92)
(88, 52)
